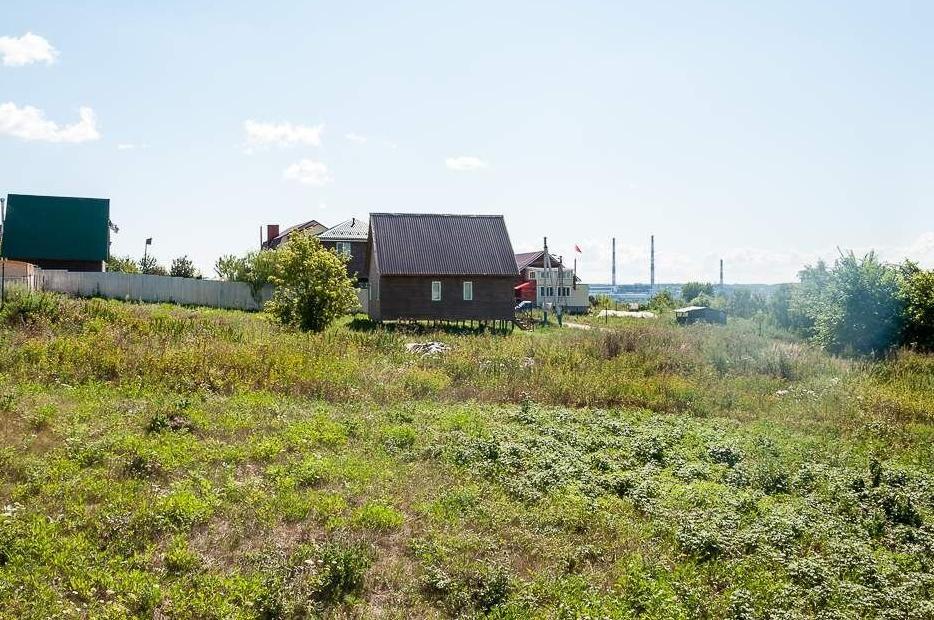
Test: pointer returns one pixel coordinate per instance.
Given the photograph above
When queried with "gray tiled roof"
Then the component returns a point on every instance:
(434, 244)
(353, 229)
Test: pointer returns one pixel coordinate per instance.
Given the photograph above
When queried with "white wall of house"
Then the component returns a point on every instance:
(554, 286)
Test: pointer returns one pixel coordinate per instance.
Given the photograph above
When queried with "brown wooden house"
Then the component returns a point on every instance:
(440, 267)
(349, 238)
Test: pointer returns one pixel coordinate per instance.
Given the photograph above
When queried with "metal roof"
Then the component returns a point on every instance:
(435, 244)
(690, 308)
(525, 259)
(353, 229)
(297, 227)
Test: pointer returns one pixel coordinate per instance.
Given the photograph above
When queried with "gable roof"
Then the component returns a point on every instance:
(312, 226)
(353, 229)
(435, 244)
(525, 259)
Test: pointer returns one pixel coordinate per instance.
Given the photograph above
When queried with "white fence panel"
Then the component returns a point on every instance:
(157, 289)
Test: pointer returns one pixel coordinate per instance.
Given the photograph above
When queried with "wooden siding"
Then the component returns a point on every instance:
(357, 264)
(409, 297)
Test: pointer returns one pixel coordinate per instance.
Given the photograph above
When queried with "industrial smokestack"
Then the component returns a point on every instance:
(721, 273)
(652, 264)
(614, 262)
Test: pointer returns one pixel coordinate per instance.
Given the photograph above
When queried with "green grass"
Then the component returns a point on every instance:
(208, 464)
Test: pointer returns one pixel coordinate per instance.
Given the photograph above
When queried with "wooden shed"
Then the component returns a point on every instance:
(440, 267)
(699, 314)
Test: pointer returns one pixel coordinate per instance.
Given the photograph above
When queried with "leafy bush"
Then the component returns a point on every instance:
(122, 264)
(183, 267)
(917, 296)
(313, 579)
(312, 285)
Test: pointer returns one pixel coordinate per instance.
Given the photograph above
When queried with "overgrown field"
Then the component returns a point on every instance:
(174, 463)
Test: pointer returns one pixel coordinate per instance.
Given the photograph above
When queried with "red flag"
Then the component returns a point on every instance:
(577, 249)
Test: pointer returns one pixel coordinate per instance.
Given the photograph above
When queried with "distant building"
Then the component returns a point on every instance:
(55, 232)
(349, 238)
(440, 267)
(699, 314)
(274, 238)
(557, 285)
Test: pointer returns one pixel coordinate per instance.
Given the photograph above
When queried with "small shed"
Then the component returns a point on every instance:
(440, 267)
(699, 314)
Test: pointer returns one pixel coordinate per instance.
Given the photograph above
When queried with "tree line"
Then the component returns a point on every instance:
(859, 306)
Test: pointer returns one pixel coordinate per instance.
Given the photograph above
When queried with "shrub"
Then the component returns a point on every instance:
(312, 285)
(314, 579)
(182, 267)
(179, 558)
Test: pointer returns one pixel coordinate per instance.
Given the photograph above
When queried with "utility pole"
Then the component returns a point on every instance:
(146, 253)
(613, 280)
(547, 274)
(721, 275)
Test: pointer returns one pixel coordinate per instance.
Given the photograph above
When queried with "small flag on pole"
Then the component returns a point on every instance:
(577, 249)
(149, 241)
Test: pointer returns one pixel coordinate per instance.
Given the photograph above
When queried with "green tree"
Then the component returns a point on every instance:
(916, 291)
(744, 303)
(860, 311)
(182, 267)
(661, 302)
(691, 290)
(122, 264)
(312, 285)
(150, 266)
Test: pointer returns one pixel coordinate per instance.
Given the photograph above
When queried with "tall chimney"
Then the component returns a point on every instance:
(721, 273)
(614, 261)
(652, 264)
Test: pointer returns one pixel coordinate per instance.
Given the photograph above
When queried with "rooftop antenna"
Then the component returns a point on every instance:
(652, 264)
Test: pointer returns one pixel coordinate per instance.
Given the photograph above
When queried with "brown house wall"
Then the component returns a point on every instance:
(409, 297)
(357, 264)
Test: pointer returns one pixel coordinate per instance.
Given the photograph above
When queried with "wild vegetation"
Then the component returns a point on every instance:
(170, 462)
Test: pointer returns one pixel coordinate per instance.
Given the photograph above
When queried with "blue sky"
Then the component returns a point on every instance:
(768, 135)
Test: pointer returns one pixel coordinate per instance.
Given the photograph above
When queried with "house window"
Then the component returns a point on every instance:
(343, 247)
(468, 291)
(436, 291)
(532, 275)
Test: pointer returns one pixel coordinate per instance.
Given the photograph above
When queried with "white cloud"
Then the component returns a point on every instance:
(355, 137)
(309, 172)
(465, 163)
(281, 134)
(27, 49)
(128, 146)
(29, 123)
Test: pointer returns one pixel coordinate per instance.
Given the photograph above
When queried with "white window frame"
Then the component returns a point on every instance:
(436, 290)
(468, 286)
(343, 247)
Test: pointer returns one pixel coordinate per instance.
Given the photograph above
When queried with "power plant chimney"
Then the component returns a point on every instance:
(652, 264)
(614, 262)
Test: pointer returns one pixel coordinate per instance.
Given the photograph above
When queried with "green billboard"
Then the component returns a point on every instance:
(56, 228)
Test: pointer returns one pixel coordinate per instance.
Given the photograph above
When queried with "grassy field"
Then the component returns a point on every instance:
(173, 463)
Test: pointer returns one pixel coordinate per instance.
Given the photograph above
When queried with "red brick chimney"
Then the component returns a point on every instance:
(272, 231)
